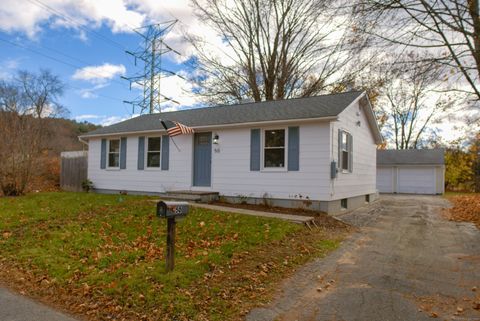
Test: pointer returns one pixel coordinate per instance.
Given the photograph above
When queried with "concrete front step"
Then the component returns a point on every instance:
(182, 197)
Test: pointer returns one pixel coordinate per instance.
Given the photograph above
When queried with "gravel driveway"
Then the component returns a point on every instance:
(406, 262)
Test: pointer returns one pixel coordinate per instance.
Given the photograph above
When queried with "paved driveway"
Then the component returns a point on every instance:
(14, 307)
(406, 262)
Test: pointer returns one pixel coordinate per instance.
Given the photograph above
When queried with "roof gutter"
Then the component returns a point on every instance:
(82, 140)
(208, 127)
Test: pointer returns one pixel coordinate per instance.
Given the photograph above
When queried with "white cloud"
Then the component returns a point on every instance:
(29, 17)
(103, 119)
(107, 121)
(8, 67)
(99, 74)
(121, 16)
(87, 116)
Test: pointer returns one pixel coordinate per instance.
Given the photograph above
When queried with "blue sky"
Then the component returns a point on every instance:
(88, 39)
(88, 51)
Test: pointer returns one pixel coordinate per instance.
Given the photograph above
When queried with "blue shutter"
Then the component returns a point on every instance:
(165, 152)
(103, 154)
(293, 148)
(123, 153)
(340, 149)
(350, 153)
(255, 150)
(141, 153)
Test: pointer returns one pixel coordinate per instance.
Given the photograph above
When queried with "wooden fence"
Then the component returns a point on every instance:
(73, 170)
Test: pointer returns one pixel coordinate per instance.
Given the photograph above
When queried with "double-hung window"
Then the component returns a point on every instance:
(274, 148)
(345, 151)
(114, 153)
(154, 145)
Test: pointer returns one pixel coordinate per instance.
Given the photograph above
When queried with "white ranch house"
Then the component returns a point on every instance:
(317, 152)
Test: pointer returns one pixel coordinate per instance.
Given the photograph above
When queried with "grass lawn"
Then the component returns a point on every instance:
(102, 256)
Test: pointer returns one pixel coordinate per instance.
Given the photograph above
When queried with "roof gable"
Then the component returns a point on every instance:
(269, 111)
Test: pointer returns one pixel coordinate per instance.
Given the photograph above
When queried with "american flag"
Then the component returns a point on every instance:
(174, 128)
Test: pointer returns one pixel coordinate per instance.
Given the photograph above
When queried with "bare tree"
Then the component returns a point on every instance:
(25, 102)
(409, 103)
(273, 49)
(449, 30)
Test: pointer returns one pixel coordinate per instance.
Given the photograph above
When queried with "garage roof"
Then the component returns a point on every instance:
(288, 109)
(411, 157)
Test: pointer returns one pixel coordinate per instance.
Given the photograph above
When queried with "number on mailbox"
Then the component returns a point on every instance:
(172, 209)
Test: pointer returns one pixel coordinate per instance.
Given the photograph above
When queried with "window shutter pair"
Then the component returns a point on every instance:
(350, 150)
(164, 154)
(293, 149)
(123, 153)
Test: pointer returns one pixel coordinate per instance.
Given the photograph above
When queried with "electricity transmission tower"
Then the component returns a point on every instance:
(150, 54)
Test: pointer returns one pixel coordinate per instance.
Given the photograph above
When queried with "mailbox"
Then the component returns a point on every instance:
(172, 209)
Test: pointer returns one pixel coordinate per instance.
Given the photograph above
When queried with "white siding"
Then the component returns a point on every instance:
(231, 173)
(149, 180)
(362, 180)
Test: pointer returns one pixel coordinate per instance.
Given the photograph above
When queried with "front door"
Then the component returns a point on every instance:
(202, 159)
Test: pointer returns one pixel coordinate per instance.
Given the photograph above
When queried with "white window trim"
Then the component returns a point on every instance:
(262, 151)
(348, 170)
(159, 168)
(119, 153)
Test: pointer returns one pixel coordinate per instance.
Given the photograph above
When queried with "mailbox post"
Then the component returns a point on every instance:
(171, 211)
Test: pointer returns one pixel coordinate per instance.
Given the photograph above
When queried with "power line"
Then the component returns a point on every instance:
(54, 58)
(77, 24)
(67, 64)
(151, 56)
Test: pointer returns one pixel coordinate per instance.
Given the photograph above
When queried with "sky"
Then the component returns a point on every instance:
(85, 43)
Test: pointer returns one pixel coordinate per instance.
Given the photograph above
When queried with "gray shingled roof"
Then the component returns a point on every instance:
(289, 109)
(411, 157)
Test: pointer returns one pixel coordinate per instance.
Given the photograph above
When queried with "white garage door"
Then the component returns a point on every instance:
(416, 180)
(385, 179)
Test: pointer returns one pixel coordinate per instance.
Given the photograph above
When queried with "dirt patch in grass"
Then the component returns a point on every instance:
(102, 257)
(466, 208)
(322, 219)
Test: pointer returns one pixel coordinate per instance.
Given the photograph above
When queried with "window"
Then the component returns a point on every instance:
(153, 151)
(344, 203)
(114, 153)
(274, 149)
(367, 198)
(345, 151)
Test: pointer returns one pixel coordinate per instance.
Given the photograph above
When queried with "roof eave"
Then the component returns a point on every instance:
(208, 127)
(372, 120)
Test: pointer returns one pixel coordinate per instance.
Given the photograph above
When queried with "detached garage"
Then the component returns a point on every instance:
(411, 171)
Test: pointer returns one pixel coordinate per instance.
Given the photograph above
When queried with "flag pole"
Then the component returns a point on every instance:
(165, 126)
(178, 149)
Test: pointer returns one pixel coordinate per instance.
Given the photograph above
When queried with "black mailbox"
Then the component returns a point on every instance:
(172, 209)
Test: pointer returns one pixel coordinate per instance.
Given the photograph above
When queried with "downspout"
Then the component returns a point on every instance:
(332, 180)
(84, 142)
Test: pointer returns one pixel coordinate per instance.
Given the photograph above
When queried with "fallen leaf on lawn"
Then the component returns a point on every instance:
(6, 235)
